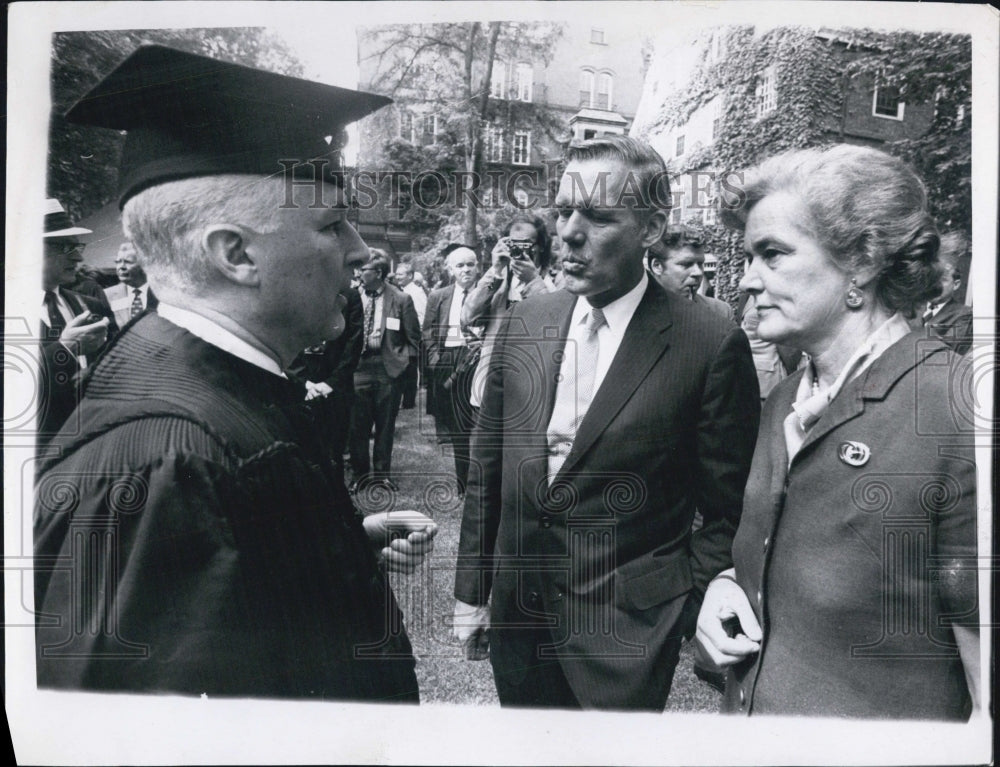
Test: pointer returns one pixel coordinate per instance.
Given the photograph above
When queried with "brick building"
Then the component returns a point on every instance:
(590, 86)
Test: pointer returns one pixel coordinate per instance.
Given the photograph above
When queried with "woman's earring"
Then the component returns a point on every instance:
(854, 298)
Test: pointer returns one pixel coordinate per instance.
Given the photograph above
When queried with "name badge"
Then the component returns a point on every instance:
(392, 323)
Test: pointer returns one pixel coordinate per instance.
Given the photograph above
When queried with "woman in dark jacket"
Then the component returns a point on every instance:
(854, 587)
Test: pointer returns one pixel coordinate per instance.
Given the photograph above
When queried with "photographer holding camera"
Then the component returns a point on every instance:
(519, 271)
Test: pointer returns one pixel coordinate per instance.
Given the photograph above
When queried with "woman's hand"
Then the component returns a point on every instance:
(405, 537)
(725, 601)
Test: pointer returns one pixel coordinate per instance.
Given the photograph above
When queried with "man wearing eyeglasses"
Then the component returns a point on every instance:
(74, 327)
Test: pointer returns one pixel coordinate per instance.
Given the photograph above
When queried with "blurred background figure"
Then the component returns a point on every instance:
(131, 296)
(452, 349)
(405, 282)
(391, 336)
(826, 613)
(946, 317)
(328, 371)
(74, 327)
(677, 263)
(520, 269)
(772, 362)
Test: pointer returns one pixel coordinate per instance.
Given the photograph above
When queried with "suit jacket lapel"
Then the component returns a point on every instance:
(874, 383)
(643, 344)
(555, 321)
(444, 312)
(75, 304)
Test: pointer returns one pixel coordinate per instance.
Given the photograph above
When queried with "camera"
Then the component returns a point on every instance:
(520, 250)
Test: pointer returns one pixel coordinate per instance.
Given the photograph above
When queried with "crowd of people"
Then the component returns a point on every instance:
(641, 464)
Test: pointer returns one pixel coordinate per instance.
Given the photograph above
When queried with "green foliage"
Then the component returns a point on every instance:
(813, 74)
(83, 161)
(445, 70)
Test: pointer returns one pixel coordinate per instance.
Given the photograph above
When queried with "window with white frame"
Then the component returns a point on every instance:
(494, 144)
(406, 124)
(586, 87)
(498, 80)
(605, 86)
(521, 151)
(429, 127)
(597, 36)
(715, 112)
(886, 103)
(525, 81)
(680, 146)
(767, 92)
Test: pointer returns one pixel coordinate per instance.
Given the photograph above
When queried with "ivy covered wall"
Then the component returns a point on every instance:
(823, 92)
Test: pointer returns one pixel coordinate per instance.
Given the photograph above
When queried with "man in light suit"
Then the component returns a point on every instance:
(450, 368)
(404, 281)
(74, 327)
(131, 296)
(391, 336)
(677, 262)
(612, 411)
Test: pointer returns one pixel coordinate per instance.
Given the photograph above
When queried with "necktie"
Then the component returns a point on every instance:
(929, 312)
(56, 321)
(369, 318)
(136, 302)
(574, 393)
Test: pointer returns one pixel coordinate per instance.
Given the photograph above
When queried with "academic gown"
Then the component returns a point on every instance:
(192, 539)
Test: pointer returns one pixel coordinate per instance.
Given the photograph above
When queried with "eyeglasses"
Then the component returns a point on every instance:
(65, 248)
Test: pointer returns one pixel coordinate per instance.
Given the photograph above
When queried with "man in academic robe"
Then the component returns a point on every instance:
(190, 536)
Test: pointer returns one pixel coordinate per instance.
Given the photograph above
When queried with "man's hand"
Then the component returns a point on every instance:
(83, 336)
(469, 626)
(524, 269)
(723, 605)
(317, 390)
(405, 537)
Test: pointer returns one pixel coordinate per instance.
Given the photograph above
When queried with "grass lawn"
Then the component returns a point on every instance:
(424, 474)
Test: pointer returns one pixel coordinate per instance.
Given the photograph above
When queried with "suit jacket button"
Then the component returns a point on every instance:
(546, 521)
(533, 598)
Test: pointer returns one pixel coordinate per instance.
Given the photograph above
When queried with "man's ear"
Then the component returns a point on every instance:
(655, 227)
(226, 247)
(655, 265)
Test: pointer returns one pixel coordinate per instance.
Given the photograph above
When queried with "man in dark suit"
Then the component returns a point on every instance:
(390, 337)
(448, 346)
(74, 327)
(191, 536)
(328, 371)
(946, 317)
(131, 296)
(612, 411)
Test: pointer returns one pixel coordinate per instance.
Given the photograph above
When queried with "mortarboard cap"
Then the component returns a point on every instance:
(58, 223)
(188, 115)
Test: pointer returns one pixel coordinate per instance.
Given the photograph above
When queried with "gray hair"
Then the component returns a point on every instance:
(165, 222)
(638, 156)
(868, 208)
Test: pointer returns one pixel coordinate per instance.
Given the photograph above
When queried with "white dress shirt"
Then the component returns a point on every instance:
(618, 315)
(212, 333)
(415, 292)
(455, 336)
